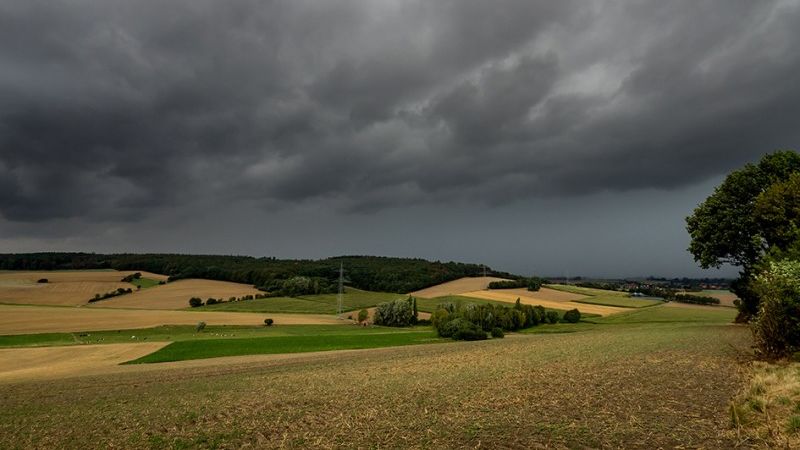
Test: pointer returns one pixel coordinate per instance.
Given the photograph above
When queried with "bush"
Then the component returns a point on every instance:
(468, 331)
(194, 302)
(42, 280)
(268, 322)
(363, 315)
(694, 299)
(497, 332)
(200, 326)
(572, 316)
(552, 317)
(777, 325)
(211, 301)
(398, 313)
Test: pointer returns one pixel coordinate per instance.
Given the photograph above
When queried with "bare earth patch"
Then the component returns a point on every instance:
(64, 288)
(456, 287)
(42, 363)
(548, 298)
(176, 295)
(19, 319)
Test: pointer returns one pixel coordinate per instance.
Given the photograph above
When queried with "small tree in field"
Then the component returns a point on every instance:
(572, 316)
(200, 327)
(363, 315)
(268, 322)
(194, 302)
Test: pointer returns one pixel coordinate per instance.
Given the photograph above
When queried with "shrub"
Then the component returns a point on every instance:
(777, 325)
(268, 322)
(194, 302)
(42, 280)
(468, 331)
(211, 301)
(552, 317)
(572, 316)
(232, 299)
(363, 315)
(497, 332)
(200, 326)
(398, 313)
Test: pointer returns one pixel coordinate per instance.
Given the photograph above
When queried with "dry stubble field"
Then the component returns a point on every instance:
(176, 295)
(631, 386)
(64, 288)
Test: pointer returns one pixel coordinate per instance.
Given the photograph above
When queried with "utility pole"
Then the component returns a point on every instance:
(340, 295)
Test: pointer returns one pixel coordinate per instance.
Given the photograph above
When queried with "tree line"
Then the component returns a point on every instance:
(373, 273)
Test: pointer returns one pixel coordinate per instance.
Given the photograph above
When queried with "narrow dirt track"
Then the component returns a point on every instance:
(19, 319)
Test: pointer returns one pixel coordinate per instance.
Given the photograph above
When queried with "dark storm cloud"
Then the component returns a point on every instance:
(111, 110)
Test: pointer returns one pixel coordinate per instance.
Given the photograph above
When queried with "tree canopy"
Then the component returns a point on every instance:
(754, 211)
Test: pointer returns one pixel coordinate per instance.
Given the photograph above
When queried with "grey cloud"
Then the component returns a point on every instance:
(110, 111)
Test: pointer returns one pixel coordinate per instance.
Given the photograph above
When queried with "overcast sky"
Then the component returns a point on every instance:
(549, 137)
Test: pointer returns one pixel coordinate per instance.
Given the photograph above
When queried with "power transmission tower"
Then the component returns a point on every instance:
(340, 295)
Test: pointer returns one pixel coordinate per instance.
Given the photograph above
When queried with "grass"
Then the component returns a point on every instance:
(655, 378)
(214, 348)
(177, 333)
(623, 302)
(766, 412)
(354, 299)
(144, 283)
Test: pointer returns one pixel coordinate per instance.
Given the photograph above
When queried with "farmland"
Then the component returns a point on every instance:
(164, 384)
(516, 392)
(64, 288)
(176, 294)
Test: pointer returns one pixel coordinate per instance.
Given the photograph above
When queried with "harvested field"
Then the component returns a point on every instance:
(726, 298)
(19, 319)
(64, 288)
(456, 287)
(176, 295)
(545, 297)
(40, 363)
(537, 391)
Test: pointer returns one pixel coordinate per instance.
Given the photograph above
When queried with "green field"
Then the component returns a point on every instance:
(623, 302)
(144, 283)
(354, 299)
(214, 348)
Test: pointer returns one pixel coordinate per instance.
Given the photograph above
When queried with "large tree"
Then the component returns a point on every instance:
(740, 222)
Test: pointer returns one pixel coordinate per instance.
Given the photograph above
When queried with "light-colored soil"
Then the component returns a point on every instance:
(176, 295)
(64, 288)
(456, 287)
(18, 319)
(47, 363)
(541, 298)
